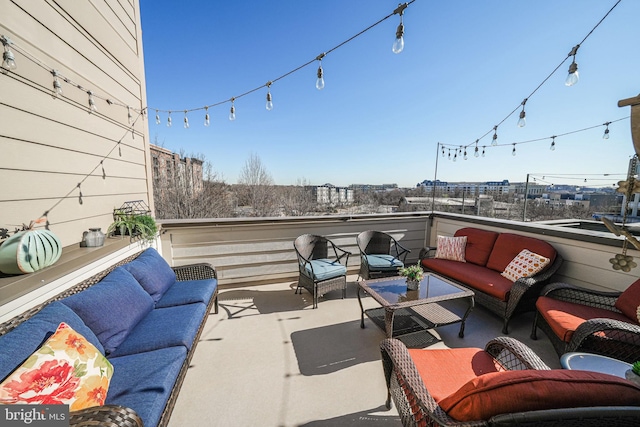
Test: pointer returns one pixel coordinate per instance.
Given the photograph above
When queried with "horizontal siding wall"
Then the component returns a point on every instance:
(586, 253)
(51, 144)
(261, 250)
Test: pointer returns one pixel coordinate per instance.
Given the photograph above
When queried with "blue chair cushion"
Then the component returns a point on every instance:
(143, 381)
(164, 327)
(187, 292)
(112, 307)
(383, 262)
(324, 269)
(16, 346)
(152, 272)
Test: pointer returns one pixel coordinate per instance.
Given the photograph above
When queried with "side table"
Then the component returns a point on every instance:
(595, 363)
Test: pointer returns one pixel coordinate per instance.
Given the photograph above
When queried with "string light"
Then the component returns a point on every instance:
(8, 59)
(186, 120)
(465, 154)
(513, 152)
(207, 120)
(169, 120)
(398, 44)
(455, 156)
(320, 73)
(605, 135)
(57, 87)
(572, 77)
(553, 143)
(269, 104)
(92, 103)
(104, 174)
(522, 121)
(475, 152)
(449, 153)
(79, 194)
(157, 118)
(129, 115)
(232, 111)
(483, 151)
(494, 140)
(443, 151)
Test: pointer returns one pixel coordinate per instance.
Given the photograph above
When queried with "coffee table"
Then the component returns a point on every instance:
(423, 305)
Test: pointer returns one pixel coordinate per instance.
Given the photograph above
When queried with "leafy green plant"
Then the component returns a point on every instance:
(412, 272)
(143, 226)
(636, 367)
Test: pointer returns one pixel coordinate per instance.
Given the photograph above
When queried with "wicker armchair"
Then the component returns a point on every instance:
(380, 254)
(416, 405)
(607, 331)
(322, 266)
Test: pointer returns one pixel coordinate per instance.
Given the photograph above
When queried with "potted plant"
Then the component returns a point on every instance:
(134, 225)
(414, 275)
(633, 374)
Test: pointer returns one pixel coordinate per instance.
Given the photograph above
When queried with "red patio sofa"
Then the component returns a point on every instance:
(486, 256)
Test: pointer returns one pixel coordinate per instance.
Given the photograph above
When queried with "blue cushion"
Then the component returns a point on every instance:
(152, 272)
(164, 327)
(16, 346)
(187, 292)
(325, 269)
(112, 307)
(143, 381)
(383, 262)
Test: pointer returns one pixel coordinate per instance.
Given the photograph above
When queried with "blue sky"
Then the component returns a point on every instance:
(465, 66)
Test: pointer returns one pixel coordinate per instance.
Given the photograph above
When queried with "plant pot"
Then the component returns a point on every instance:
(413, 285)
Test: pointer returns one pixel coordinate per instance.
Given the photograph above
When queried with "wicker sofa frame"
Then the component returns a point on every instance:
(607, 337)
(523, 294)
(511, 355)
(119, 416)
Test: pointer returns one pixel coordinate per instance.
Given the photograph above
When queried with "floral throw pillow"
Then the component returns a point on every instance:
(451, 248)
(67, 369)
(525, 264)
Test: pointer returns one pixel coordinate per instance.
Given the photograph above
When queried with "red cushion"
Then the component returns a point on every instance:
(530, 390)
(565, 317)
(479, 244)
(629, 301)
(509, 245)
(475, 276)
(443, 371)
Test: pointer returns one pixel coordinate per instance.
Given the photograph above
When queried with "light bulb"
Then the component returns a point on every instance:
(513, 152)
(553, 145)
(442, 151)
(476, 153)
(320, 81)
(494, 140)
(232, 113)
(169, 120)
(8, 60)
(572, 77)
(606, 133)
(186, 120)
(465, 154)
(483, 151)
(449, 154)
(157, 118)
(92, 103)
(129, 115)
(455, 156)
(398, 44)
(522, 121)
(269, 104)
(207, 120)
(57, 87)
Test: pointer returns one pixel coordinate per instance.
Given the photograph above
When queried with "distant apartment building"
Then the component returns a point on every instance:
(169, 170)
(328, 194)
(373, 187)
(469, 188)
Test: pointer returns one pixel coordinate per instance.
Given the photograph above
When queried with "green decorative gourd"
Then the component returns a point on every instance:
(28, 251)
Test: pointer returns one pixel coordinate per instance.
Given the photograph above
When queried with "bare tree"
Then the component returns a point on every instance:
(297, 200)
(257, 188)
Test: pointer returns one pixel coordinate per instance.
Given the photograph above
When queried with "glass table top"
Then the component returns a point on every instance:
(395, 289)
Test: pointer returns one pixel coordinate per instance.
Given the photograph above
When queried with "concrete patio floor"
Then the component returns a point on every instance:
(268, 359)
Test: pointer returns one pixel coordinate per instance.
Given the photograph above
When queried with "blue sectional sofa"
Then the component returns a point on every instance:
(144, 316)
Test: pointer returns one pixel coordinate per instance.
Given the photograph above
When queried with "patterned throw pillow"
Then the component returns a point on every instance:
(451, 248)
(525, 264)
(67, 369)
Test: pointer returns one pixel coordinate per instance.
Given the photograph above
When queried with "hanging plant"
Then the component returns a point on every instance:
(29, 250)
